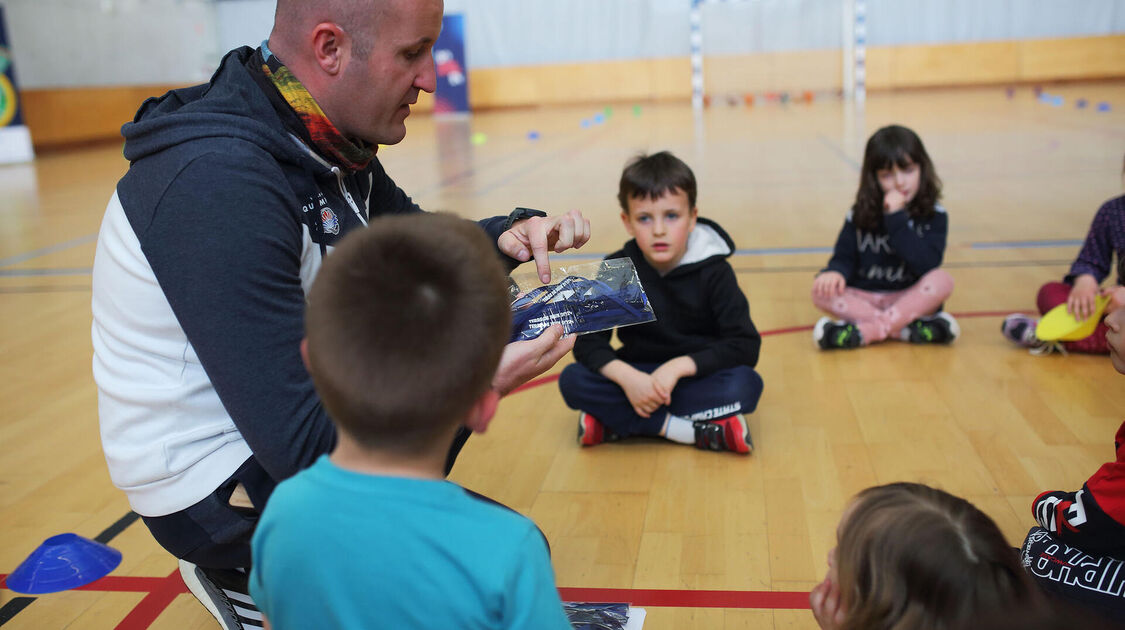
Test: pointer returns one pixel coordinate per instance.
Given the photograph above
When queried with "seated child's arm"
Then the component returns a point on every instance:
(738, 341)
(671, 371)
(921, 253)
(843, 260)
(1096, 255)
(1077, 519)
(593, 350)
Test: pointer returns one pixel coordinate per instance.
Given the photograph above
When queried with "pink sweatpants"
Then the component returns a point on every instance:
(1054, 293)
(879, 314)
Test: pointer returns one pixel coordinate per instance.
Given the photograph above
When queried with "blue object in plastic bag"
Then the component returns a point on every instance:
(590, 616)
(583, 305)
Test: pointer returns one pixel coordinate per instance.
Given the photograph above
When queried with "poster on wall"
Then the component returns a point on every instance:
(452, 94)
(15, 139)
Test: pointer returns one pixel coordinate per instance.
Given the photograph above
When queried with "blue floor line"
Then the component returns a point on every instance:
(15, 260)
(25, 273)
(1028, 244)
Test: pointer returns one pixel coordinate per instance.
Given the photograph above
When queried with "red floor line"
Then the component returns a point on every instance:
(127, 584)
(117, 584)
(536, 383)
(149, 608)
(777, 331)
(785, 331)
(792, 600)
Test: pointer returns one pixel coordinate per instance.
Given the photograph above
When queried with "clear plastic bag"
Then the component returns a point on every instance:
(590, 616)
(585, 298)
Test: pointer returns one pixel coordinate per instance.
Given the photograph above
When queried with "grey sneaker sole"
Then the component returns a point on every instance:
(232, 609)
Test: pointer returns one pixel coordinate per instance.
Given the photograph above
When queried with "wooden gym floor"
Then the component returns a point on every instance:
(980, 418)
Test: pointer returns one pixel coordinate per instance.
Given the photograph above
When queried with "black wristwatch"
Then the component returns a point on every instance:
(520, 214)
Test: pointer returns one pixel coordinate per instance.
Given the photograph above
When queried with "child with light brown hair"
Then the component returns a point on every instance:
(909, 556)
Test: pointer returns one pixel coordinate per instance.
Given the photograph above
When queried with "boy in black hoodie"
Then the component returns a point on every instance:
(688, 376)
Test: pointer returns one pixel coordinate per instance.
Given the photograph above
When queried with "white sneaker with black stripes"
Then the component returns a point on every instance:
(225, 593)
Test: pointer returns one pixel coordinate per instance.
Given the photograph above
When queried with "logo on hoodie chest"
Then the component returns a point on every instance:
(329, 222)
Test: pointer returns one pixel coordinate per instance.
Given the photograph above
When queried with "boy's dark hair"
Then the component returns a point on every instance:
(894, 145)
(912, 556)
(405, 324)
(651, 176)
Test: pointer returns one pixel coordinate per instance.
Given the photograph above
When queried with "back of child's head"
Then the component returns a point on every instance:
(888, 147)
(405, 324)
(914, 557)
(651, 176)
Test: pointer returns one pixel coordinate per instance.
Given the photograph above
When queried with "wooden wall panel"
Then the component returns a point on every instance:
(66, 116)
(1081, 58)
(950, 64)
(74, 115)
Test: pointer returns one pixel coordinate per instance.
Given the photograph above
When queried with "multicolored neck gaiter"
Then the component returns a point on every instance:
(328, 140)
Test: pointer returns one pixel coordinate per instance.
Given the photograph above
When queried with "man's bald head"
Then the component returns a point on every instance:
(294, 19)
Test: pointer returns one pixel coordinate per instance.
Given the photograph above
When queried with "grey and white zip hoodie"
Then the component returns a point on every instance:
(205, 254)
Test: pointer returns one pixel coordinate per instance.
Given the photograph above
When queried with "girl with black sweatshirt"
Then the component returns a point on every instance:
(884, 278)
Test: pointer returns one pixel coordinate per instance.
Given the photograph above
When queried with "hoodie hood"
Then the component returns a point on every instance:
(231, 105)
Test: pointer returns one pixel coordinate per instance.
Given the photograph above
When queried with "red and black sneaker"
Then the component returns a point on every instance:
(592, 432)
(726, 434)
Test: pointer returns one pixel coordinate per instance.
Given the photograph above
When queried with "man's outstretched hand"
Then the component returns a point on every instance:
(536, 236)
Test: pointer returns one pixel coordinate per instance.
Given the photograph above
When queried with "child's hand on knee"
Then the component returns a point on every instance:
(829, 284)
(1080, 303)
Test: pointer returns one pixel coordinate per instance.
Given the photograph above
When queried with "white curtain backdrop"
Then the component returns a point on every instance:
(58, 43)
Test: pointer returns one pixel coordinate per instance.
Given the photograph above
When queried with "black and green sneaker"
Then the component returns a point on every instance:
(937, 328)
(830, 334)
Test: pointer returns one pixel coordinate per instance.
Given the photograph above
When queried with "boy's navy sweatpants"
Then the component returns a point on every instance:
(718, 395)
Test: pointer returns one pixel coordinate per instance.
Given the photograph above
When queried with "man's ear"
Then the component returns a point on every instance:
(331, 47)
(305, 352)
(483, 411)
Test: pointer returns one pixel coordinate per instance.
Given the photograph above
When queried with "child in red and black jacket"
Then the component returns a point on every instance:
(1078, 550)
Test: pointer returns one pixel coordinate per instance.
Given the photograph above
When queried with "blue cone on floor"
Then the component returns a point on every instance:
(61, 563)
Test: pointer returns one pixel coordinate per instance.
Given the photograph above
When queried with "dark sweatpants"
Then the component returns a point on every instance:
(724, 393)
(1094, 582)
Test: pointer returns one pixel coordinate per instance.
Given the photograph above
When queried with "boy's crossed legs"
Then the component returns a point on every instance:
(714, 404)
